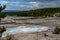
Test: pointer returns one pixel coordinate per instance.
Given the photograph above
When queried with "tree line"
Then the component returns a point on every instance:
(38, 12)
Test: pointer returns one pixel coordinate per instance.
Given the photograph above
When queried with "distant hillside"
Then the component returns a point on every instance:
(10, 10)
(37, 12)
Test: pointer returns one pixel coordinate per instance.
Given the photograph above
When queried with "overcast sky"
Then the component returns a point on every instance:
(29, 4)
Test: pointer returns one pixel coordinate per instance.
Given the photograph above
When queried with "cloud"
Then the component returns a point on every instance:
(3, 2)
(15, 5)
(51, 4)
(18, 5)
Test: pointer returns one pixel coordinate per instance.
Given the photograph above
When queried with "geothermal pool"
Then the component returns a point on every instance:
(29, 28)
(25, 29)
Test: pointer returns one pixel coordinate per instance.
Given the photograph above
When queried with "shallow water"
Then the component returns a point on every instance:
(11, 29)
(26, 29)
(30, 26)
(34, 26)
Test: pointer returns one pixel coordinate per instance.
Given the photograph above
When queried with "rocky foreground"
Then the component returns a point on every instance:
(38, 36)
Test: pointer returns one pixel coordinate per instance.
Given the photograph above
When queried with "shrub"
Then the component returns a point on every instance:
(56, 30)
(2, 29)
(45, 35)
(10, 37)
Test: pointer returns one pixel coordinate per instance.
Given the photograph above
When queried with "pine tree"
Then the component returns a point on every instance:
(1, 14)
